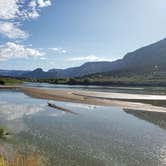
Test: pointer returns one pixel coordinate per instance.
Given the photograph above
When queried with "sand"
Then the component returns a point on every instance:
(95, 98)
(123, 96)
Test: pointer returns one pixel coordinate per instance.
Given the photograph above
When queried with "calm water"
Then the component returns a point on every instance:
(137, 90)
(95, 136)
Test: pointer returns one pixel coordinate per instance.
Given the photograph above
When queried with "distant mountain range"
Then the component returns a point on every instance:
(146, 59)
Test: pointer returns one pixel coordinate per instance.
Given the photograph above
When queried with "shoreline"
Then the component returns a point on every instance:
(94, 98)
(10, 87)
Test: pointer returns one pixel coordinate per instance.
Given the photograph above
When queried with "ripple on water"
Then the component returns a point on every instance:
(95, 136)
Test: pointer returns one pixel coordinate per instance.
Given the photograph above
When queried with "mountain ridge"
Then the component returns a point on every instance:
(145, 59)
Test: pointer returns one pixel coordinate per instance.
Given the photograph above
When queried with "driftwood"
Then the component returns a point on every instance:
(61, 108)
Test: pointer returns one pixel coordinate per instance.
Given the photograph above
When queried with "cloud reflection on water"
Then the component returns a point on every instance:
(17, 111)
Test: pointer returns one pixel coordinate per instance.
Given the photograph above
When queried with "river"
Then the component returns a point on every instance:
(94, 136)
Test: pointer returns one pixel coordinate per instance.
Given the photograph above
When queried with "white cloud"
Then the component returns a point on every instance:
(9, 9)
(43, 58)
(12, 31)
(12, 50)
(58, 50)
(20, 10)
(64, 51)
(34, 8)
(89, 58)
(54, 49)
(33, 13)
(33, 4)
(44, 3)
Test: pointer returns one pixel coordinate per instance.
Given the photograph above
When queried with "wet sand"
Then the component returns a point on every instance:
(10, 87)
(95, 98)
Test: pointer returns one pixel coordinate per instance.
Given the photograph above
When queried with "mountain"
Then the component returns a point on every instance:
(85, 69)
(149, 58)
(146, 59)
(13, 73)
(39, 73)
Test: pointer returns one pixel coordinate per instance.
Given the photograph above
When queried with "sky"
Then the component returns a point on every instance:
(65, 33)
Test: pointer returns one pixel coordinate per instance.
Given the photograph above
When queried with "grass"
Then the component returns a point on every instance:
(20, 160)
(9, 81)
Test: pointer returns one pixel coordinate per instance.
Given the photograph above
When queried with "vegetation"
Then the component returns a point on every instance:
(71, 81)
(114, 79)
(20, 160)
(119, 78)
(2, 133)
(9, 81)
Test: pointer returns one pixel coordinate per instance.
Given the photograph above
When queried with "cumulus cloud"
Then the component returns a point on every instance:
(9, 9)
(43, 3)
(20, 10)
(33, 14)
(12, 15)
(34, 7)
(11, 30)
(58, 50)
(89, 58)
(12, 50)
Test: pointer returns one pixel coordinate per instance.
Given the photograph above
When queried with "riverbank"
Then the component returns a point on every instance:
(10, 87)
(95, 98)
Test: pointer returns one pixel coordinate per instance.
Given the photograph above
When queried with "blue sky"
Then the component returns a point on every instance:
(61, 33)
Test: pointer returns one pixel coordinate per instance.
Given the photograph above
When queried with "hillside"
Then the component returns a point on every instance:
(151, 58)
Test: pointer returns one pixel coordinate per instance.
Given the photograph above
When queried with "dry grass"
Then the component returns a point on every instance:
(20, 160)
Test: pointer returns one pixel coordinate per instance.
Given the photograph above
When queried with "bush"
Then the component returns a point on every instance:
(2, 133)
(2, 82)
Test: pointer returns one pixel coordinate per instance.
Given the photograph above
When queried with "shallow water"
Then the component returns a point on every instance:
(115, 89)
(95, 136)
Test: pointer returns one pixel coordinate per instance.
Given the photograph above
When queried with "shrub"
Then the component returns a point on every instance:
(2, 133)
(2, 82)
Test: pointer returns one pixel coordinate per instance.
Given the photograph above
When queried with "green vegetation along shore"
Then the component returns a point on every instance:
(113, 79)
(9, 81)
(120, 78)
(3, 133)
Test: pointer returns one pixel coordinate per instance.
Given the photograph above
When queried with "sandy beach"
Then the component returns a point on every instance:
(122, 96)
(94, 98)
(97, 98)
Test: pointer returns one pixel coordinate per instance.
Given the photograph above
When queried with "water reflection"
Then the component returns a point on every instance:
(134, 90)
(97, 136)
(156, 118)
(17, 111)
